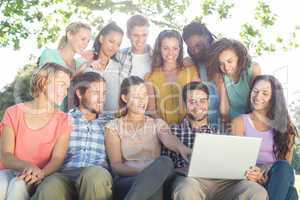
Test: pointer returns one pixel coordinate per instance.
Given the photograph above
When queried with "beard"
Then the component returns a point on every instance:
(198, 119)
(84, 103)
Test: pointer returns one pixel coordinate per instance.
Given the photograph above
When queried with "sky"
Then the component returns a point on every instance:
(284, 65)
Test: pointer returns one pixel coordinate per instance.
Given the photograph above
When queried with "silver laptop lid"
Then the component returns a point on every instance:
(223, 156)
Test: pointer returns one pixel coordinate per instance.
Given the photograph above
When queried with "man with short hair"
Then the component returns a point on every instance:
(136, 60)
(84, 174)
(196, 99)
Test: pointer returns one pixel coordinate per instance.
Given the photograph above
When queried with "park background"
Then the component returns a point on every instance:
(269, 28)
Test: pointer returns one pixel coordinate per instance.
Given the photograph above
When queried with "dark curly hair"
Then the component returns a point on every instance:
(157, 60)
(284, 132)
(223, 44)
(111, 27)
(197, 28)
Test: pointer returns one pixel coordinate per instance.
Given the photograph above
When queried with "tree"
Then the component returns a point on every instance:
(44, 19)
(18, 91)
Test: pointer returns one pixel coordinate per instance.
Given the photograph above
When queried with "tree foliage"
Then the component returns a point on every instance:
(18, 91)
(44, 19)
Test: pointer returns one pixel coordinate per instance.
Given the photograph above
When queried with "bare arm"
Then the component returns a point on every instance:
(113, 149)
(256, 70)
(172, 142)
(151, 108)
(8, 146)
(224, 101)
(237, 126)
(58, 154)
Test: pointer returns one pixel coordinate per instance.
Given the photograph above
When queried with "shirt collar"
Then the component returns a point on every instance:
(76, 113)
(148, 50)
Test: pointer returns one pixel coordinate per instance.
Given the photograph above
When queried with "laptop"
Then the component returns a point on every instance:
(222, 156)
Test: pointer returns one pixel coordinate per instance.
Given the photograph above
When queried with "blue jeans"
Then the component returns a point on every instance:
(280, 184)
(148, 184)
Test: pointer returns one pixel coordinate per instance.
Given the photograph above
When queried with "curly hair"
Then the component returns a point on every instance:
(284, 132)
(220, 46)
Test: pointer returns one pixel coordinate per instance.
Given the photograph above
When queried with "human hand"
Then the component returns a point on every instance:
(185, 152)
(32, 174)
(255, 174)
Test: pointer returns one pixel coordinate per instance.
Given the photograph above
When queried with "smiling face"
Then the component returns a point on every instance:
(170, 50)
(261, 95)
(57, 87)
(228, 62)
(197, 47)
(138, 37)
(111, 43)
(136, 99)
(79, 40)
(197, 105)
(94, 97)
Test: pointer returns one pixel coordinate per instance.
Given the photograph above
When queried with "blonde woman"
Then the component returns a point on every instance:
(75, 40)
(35, 134)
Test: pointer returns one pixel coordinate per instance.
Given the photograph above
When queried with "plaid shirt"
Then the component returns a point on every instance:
(124, 57)
(186, 134)
(86, 145)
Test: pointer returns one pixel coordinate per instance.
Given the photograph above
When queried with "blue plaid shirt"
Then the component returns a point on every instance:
(186, 134)
(86, 145)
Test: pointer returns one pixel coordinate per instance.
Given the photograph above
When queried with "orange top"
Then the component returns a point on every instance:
(35, 145)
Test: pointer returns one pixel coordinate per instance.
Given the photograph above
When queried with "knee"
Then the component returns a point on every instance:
(50, 184)
(97, 176)
(260, 194)
(256, 191)
(17, 189)
(166, 163)
(17, 184)
(186, 189)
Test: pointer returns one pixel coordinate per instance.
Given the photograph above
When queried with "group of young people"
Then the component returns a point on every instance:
(115, 124)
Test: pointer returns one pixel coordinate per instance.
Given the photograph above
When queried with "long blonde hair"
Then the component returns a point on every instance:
(73, 28)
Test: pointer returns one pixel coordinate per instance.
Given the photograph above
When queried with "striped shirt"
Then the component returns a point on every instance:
(86, 145)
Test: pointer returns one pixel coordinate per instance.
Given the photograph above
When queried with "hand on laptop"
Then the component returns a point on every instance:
(255, 174)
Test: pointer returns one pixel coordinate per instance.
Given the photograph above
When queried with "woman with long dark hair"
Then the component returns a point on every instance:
(133, 145)
(168, 76)
(269, 120)
(106, 45)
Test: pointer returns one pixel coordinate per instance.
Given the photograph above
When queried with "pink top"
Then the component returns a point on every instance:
(266, 153)
(32, 145)
(140, 147)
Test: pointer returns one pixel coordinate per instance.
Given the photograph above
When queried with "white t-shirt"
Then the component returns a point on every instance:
(141, 65)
